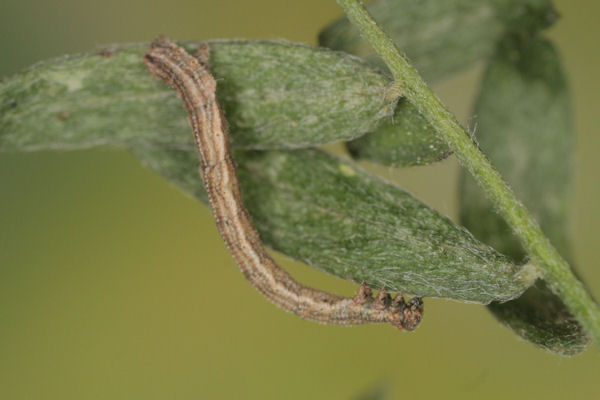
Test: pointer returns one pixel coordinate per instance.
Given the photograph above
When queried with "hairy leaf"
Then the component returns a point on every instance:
(275, 94)
(305, 203)
(525, 129)
(405, 140)
(326, 212)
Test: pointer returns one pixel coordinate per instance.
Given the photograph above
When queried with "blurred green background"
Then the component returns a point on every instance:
(113, 284)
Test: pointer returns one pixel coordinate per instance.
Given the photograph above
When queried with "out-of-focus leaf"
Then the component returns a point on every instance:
(326, 212)
(524, 122)
(275, 94)
(441, 36)
(380, 391)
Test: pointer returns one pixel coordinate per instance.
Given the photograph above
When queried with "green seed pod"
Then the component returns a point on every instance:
(524, 121)
(326, 212)
(441, 36)
(275, 94)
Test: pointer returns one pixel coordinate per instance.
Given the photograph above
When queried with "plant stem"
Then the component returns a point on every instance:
(553, 268)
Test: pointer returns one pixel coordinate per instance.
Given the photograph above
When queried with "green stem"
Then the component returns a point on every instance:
(553, 268)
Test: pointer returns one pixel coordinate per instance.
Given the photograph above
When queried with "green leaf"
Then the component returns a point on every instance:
(441, 36)
(404, 140)
(307, 204)
(524, 121)
(540, 317)
(324, 211)
(275, 94)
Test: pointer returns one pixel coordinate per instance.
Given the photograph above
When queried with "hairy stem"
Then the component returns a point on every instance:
(553, 268)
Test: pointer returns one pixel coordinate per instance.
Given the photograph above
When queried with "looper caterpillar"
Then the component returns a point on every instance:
(195, 85)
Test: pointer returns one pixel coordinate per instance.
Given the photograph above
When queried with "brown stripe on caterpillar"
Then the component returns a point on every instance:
(196, 86)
